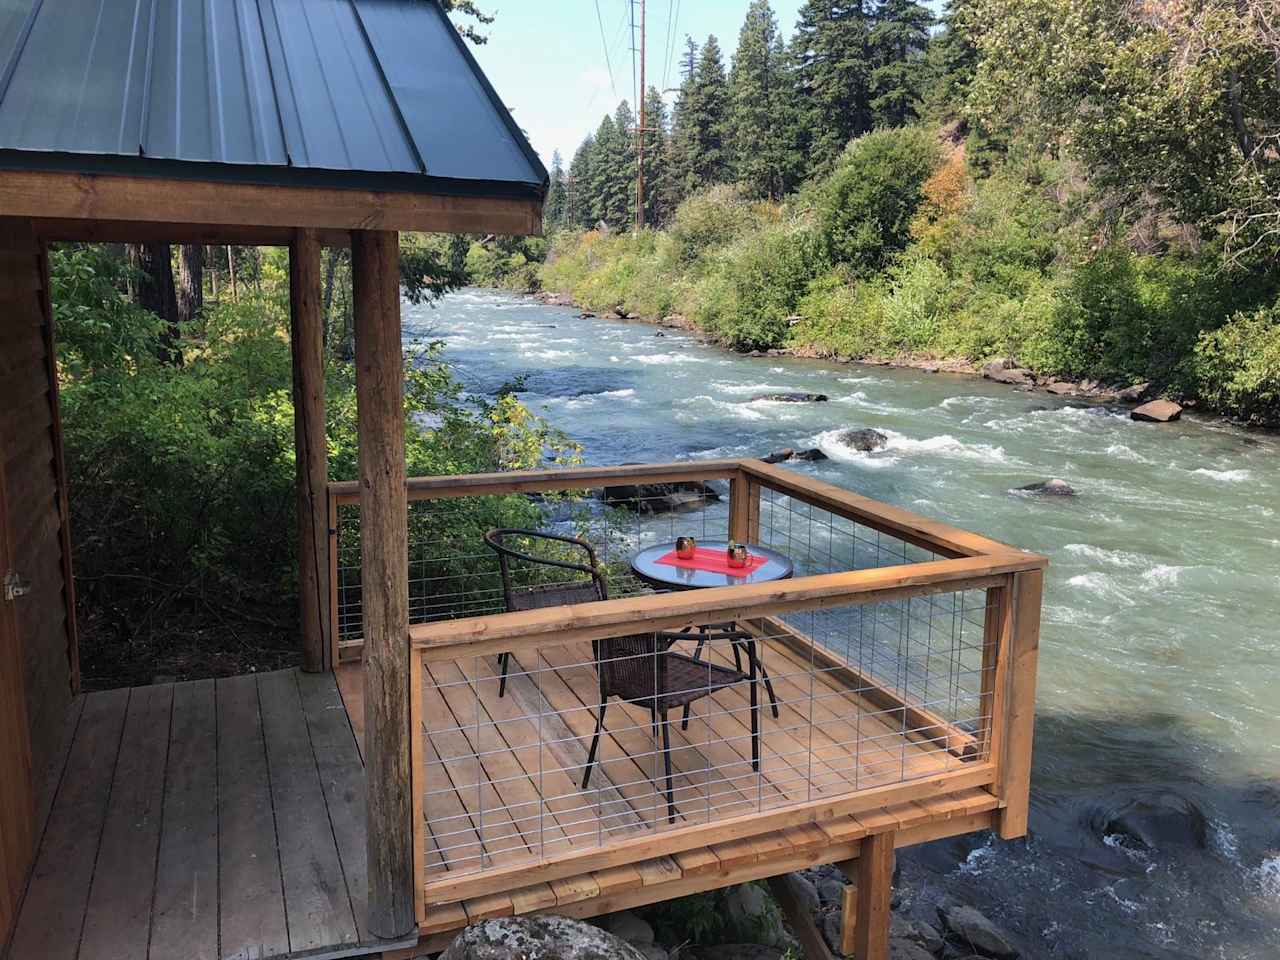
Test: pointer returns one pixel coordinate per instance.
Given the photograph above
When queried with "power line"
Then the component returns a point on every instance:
(605, 44)
(672, 33)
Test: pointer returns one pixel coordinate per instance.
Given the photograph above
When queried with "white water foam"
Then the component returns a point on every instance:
(735, 388)
(1118, 451)
(547, 354)
(829, 443)
(1101, 585)
(654, 358)
(743, 411)
(945, 445)
(1163, 575)
(1269, 875)
(1115, 558)
(1223, 476)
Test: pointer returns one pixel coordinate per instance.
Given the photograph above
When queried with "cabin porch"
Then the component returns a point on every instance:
(202, 820)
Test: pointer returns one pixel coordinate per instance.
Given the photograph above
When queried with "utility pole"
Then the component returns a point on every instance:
(640, 133)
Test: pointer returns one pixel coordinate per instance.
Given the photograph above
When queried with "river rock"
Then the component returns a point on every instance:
(999, 363)
(831, 930)
(792, 397)
(1157, 411)
(864, 439)
(1158, 820)
(544, 937)
(1049, 488)
(812, 454)
(660, 497)
(975, 931)
(907, 950)
(786, 453)
(751, 914)
(1062, 388)
(1013, 375)
(918, 931)
(1134, 394)
(831, 891)
(629, 927)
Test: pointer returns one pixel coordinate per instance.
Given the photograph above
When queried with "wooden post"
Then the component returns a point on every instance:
(310, 446)
(744, 509)
(848, 916)
(384, 568)
(874, 895)
(1014, 774)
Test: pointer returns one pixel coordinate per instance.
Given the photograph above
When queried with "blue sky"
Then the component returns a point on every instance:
(547, 60)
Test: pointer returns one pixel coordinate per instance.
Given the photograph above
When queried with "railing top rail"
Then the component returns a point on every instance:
(527, 629)
(530, 481)
(921, 531)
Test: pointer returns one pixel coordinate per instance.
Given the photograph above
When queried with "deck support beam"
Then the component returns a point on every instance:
(1013, 786)
(310, 446)
(384, 565)
(873, 895)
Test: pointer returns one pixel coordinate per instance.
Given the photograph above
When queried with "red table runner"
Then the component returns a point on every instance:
(711, 561)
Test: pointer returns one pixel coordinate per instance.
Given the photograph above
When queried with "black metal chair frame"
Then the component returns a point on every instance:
(641, 685)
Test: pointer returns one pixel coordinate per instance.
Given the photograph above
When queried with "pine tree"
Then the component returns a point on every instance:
(897, 44)
(620, 204)
(951, 61)
(555, 209)
(702, 157)
(597, 188)
(831, 54)
(577, 202)
(657, 161)
(761, 124)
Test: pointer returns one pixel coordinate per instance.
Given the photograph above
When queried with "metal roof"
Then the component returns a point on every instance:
(373, 93)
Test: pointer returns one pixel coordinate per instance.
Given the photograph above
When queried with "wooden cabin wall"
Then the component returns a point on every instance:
(34, 502)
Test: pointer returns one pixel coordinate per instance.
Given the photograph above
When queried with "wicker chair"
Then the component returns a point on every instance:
(543, 594)
(645, 671)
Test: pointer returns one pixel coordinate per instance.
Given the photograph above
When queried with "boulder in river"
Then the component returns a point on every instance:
(1156, 411)
(786, 453)
(968, 927)
(792, 397)
(545, 936)
(1134, 394)
(1049, 488)
(1062, 388)
(1013, 375)
(1158, 820)
(660, 497)
(864, 439)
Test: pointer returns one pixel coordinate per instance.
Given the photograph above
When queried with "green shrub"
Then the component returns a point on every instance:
(756, 285)
(866, 208)
(711, 219)
(1236, 368)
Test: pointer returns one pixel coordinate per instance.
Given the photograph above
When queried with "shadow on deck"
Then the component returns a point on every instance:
(209, 819)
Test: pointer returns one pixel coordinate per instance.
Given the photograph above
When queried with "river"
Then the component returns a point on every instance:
(1160, 655)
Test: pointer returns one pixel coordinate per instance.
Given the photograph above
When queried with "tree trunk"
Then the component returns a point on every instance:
(190, 281)
(154, 291)
(330, 274)
(213, 274)
(231, 269)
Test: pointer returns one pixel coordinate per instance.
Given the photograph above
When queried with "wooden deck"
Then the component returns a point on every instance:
(203, 820)
(504, 774)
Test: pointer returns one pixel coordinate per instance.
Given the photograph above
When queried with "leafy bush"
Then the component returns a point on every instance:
(1237, 366)
(712, 219)
(865, 214)
(756, 286)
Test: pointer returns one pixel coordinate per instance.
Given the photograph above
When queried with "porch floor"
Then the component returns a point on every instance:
(203, 820)
(505, 774)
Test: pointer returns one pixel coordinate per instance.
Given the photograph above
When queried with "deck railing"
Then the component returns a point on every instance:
(900, 660)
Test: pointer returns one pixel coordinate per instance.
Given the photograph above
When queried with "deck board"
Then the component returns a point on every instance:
(250, 888)
(319, 908)
(206, 820)
(118, 920)
(52, 913)
(185, 926)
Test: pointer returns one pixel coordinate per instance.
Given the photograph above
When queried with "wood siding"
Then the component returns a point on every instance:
(34, 501)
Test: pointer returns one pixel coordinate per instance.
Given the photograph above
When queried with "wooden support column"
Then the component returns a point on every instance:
(310, 446)
(874, 895)
(1013, 785)
(384, 571)
(744, 509)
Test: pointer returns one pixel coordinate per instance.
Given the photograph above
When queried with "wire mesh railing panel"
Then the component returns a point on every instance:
(453, 573)
(565, 747)
(819, 541)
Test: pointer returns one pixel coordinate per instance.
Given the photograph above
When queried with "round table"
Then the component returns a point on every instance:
(777, 566)
(645, 565)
